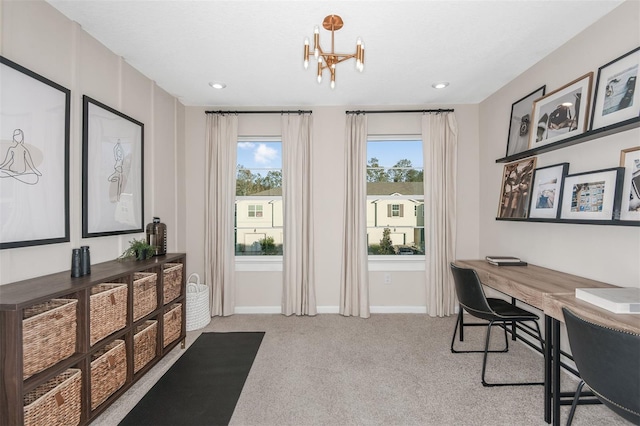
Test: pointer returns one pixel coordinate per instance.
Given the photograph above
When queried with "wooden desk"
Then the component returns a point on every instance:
(548, 290)
(553, 304)
(529, 284)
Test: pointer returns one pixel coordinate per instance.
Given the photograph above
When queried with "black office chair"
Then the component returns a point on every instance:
(608, 361)
(497, 311)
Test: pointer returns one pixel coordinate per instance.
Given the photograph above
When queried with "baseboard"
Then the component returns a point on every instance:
(334, 310)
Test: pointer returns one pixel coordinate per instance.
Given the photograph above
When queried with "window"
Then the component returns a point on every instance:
(394, 189)
(259, 219)
(255, 210)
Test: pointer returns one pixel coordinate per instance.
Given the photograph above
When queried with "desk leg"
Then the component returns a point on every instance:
(514, 330)
(547, 368)
(555, 379)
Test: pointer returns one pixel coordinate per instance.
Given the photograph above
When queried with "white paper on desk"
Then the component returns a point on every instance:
(621, 300)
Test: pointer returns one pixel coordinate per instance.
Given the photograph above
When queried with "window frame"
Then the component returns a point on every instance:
(258, 263)
(394, 262)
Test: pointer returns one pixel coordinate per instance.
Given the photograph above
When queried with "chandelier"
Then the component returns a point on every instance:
(328, 60)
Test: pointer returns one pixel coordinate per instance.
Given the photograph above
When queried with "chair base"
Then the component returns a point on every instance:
(486, 351)
(460, 323)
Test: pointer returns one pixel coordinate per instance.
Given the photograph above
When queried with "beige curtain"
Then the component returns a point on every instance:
(220, 193)
(354, 286)
(298, 286)
(440, 142)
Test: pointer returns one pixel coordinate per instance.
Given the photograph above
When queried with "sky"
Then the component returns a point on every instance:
(265, 155)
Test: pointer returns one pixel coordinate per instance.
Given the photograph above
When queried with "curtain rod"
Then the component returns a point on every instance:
(401, 111)
(259, 112)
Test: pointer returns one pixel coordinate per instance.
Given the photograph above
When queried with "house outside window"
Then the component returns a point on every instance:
(394, 188)
(259, 214)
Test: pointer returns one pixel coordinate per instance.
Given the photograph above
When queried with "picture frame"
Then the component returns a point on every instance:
(562, 113)
(112, 171)
(520, 122)
(616, 96)
(34, 158)
(630, 202)
(515, 189)
(593, 195)
(546, 191)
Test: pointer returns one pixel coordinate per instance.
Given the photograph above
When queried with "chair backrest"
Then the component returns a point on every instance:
(470, 293)
(608, 361)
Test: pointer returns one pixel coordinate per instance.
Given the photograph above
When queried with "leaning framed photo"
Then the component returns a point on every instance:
(34, 158)
(546, 191)
(520, 123)
(616, 98)
(630, 204)
(592, 195)
(516, 189)
(562, 113)
(112, 171)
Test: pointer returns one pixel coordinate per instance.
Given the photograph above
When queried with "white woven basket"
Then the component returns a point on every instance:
(198, 314)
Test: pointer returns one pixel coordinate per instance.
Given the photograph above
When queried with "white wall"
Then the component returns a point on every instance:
(257, 290)
(605, 253)
(38, 37)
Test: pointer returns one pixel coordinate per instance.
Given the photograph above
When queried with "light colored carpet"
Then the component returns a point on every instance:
(390, 369)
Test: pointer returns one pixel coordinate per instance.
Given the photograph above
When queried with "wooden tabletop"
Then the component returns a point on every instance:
(530, 283)
(553, 304)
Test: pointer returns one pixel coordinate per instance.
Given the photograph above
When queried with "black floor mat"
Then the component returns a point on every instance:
(203, 386)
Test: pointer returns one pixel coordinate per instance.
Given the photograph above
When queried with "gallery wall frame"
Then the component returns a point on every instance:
(546, 191)
(593, 195)
(520, 122)
(34, 158)
(516, 189)
(630, 202)
(617, 98)
(112, 171)
(562, 113)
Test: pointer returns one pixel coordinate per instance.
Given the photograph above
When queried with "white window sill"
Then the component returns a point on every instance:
(258, 263)
(397, 263)
(376, 263)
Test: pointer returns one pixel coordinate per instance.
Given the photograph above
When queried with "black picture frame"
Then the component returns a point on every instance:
(617, 98)
(546, 191)
(34, 158)
(520, 122)
(592, 196)
(112, 171)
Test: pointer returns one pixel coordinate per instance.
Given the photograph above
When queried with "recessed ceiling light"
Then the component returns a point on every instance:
(440, 85)
(217, 85)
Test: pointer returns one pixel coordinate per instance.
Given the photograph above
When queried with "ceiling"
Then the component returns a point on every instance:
(255, 47)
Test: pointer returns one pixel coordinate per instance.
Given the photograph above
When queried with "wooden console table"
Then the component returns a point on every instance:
(166, 313)
(549, 290)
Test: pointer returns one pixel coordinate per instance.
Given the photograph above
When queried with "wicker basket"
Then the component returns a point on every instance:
(108, 310)
(48, 334)
(144, 294)
(172, 280)
(144, 344)
(108, 371)
(56, 402)
(172, 323)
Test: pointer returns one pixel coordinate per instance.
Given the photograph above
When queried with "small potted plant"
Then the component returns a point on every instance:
(138, 250)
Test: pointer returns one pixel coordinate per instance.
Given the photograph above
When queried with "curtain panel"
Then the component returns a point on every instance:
(220, 193)
(354, 286)
(298, 286)
(440, 141)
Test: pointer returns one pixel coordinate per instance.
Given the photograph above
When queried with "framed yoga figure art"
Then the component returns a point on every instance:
(34, 158)
(112, 171)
